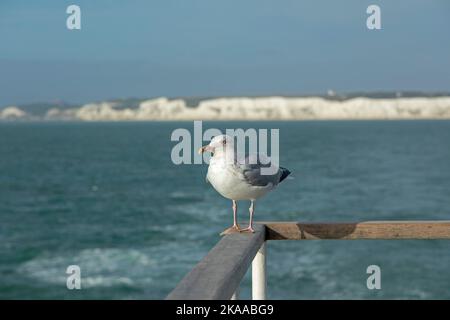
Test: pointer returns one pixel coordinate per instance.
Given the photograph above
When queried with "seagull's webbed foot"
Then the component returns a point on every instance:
(248, 229)
(233, 229)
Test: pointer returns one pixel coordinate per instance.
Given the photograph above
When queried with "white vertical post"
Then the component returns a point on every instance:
(235, 295)
(259, 274)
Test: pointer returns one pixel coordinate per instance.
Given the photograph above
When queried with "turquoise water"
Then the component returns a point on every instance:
(105, 196)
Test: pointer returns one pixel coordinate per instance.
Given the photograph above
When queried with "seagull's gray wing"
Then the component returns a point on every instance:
(251, 171)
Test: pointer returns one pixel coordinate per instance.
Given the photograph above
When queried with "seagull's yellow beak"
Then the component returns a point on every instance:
(205, 149)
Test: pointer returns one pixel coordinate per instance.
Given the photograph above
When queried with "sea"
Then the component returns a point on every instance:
(107, 197)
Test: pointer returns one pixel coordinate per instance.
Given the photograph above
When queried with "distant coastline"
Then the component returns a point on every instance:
(331, 107)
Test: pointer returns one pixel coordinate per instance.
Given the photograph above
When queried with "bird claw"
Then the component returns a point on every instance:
(248, 230)
(230, 230)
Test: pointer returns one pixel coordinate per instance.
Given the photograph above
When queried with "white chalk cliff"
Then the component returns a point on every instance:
(12, 113)
(264, 108)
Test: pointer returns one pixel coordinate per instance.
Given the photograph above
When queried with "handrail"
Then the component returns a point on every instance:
(358, 230)
(218, 274)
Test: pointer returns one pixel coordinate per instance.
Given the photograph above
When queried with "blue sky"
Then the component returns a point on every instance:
(208, 48)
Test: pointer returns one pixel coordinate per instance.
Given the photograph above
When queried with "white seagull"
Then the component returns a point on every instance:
(238, 178)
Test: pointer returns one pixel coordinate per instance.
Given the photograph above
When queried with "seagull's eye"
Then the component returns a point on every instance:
(224, 142)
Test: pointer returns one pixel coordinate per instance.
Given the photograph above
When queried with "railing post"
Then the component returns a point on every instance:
(235, 295)
(259, 274)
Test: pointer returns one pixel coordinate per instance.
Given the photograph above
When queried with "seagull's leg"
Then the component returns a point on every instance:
(235, 227)
(250, 223)
(235, 223)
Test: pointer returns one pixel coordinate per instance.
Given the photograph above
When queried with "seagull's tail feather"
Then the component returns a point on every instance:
(284, 173)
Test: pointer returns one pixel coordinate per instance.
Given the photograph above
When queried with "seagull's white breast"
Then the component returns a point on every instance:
(230, 182)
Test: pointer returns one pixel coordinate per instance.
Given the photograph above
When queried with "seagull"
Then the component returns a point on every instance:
(239, 178)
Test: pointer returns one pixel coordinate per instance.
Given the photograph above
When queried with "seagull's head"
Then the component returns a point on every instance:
(218, 143)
